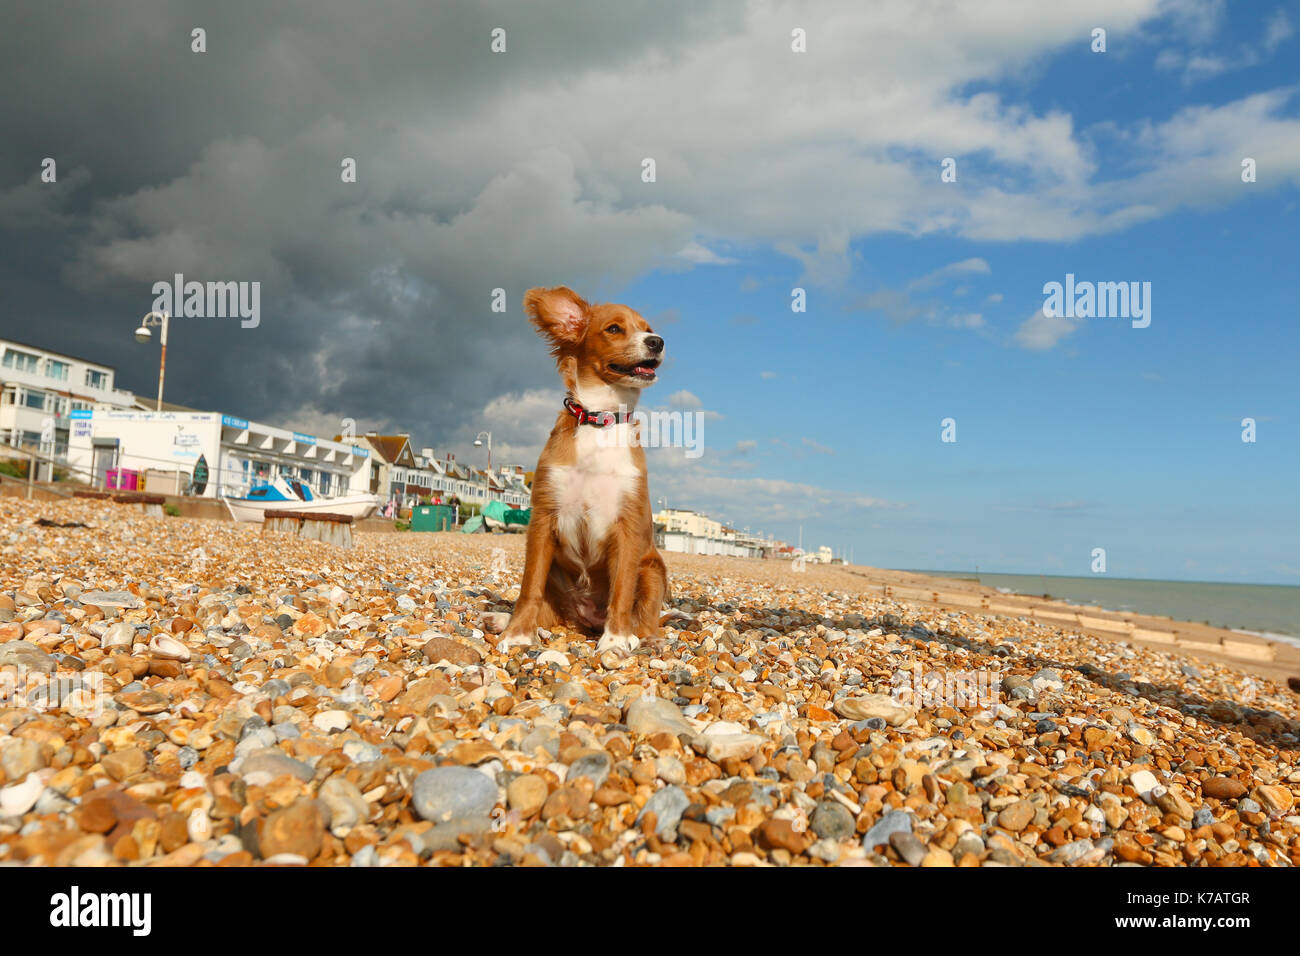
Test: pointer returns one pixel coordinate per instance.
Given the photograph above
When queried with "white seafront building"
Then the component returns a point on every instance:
(40, 389)
(689, 532)
(164, 448)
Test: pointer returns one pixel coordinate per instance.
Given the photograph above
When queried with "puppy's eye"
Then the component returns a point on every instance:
(614, 329)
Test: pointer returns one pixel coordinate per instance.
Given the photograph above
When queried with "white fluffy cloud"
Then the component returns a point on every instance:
(1040, 332)
(762, 501)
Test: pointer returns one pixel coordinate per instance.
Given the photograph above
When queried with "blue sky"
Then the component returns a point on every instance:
(1121, 438)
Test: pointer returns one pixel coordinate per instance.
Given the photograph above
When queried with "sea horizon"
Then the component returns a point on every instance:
(1269, 610)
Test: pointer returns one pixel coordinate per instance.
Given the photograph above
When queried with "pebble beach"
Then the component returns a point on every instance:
(187, 692)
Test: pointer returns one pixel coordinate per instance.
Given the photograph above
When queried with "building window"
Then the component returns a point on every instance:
(56, 369)
(34, 399)
(21, 361)
(96, 379)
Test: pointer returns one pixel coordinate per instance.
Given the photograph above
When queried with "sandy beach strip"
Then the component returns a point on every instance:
(185, 692)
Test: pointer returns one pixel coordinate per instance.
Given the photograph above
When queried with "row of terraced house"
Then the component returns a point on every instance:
(400, 475)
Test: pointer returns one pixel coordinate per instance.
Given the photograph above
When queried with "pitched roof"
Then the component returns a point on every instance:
(393, 448)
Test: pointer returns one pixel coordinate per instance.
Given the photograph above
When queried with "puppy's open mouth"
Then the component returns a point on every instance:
(642, 370)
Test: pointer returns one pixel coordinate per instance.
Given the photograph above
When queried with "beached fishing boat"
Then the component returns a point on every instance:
(497, 517)
(281, 494)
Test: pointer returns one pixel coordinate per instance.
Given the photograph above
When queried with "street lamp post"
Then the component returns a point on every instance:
(478, 443)
(142, 334)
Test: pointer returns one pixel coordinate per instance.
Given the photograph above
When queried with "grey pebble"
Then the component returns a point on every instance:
(895, 821)
(446, 793)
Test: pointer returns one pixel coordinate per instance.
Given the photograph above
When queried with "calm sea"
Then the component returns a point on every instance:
(1272, 609)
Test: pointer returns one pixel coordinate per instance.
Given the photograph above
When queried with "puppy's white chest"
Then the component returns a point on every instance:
(591, 492)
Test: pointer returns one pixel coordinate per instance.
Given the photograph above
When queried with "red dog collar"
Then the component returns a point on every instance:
(599, 419)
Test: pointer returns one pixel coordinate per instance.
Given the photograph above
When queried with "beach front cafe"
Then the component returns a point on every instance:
(206, 453)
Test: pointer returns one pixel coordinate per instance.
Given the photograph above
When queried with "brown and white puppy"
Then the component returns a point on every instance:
(591, 560)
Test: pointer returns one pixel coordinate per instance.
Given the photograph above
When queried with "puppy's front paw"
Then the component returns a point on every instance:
(513, 638)
(494, 622)
(615, 649)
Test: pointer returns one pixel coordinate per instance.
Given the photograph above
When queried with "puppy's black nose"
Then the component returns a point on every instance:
(654, 343)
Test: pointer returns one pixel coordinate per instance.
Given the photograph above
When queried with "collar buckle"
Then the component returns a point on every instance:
(596, 419)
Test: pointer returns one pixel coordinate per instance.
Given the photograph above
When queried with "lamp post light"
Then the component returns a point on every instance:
(142, 334)
(478, 443)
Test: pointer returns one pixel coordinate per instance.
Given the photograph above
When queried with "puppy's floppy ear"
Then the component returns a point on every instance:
(559, 314)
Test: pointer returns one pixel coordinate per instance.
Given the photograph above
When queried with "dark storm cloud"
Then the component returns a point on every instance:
(225, 166)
